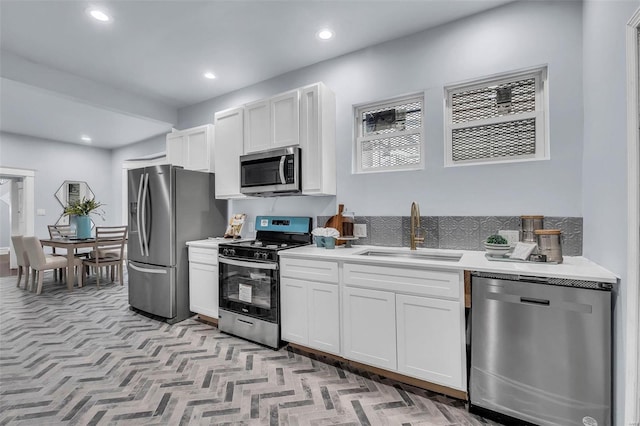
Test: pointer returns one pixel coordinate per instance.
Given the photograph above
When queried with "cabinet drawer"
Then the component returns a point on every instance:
(420, 282)
(203, 255)
(314, 270)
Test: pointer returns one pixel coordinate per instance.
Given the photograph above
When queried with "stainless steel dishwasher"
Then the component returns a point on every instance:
(541, 350)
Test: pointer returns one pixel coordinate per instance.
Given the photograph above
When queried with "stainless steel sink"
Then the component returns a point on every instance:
(448, 257)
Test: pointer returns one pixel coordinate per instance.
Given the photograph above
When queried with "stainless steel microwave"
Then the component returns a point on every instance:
(271, 173)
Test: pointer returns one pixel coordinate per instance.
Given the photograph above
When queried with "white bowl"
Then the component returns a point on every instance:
(497, 249)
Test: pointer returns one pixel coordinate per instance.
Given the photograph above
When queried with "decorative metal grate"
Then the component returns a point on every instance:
(510, 98)
(401, 117)
(391, 152)
(508, 139)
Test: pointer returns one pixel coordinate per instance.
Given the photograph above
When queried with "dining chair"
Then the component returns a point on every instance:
(21, 259)
(40, 262)
(108, 251)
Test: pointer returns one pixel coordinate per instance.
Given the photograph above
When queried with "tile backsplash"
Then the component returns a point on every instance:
(459, 232)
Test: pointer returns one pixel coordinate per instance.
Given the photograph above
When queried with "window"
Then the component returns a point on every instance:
(388, 135)
(498, 119)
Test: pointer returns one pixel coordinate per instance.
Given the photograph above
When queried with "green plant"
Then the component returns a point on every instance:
(497, 239)
(84, 207)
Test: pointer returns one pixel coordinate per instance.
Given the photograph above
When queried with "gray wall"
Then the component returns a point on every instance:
(604, 187)
(54, 162)
(512, 37)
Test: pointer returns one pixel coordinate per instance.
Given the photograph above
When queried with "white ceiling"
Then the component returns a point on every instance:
(151, 58)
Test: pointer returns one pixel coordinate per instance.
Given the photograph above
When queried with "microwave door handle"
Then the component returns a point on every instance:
(283, 178)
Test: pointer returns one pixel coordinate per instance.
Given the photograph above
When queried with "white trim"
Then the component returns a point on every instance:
(632, 320)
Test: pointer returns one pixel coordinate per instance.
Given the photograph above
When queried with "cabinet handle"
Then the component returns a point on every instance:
(543, 302)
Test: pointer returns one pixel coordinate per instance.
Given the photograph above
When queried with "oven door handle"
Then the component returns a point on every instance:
(255, 265)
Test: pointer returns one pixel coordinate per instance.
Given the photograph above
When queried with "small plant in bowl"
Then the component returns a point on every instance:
(496, 245)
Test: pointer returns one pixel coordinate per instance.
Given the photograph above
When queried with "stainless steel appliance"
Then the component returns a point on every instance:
(250, 281)
(274, 172)
(541, 350)
(168, 206)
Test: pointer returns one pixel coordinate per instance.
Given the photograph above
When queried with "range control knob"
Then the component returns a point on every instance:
(256, 255)
(265, 255)
(232, 252)
(225, 252)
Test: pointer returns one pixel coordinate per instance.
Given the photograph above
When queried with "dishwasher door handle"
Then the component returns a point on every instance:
(531, 300)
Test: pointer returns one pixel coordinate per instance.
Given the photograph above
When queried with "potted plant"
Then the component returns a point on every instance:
(81, 209)
(496, 245)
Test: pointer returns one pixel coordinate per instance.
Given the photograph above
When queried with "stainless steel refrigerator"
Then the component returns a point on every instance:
(168, 206)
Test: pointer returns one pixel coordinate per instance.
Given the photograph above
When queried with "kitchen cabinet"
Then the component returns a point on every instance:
(192, 148)
(409, 320)
(317, 140)
(203, 281)
(430, 339)
(310, 304)
(272, 123)
(228, 147)
(369, 327)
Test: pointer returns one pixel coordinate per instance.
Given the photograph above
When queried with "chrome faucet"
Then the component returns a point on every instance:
(415, 225)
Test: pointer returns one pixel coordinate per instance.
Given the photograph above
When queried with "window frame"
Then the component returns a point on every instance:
(540, 114)
(359, 138)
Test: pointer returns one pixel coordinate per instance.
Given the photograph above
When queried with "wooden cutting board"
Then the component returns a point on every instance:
(336, 222)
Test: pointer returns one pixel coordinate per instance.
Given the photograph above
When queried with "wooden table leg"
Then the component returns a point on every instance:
(71, 270)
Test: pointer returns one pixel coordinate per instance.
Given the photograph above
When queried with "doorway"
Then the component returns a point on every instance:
(18, 201)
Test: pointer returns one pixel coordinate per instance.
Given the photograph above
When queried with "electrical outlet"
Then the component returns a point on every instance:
(360, 230)
(41, 212)
(512, 236)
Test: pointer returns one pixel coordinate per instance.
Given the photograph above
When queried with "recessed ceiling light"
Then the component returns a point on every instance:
(99, 15)
(325, 34)
(209, 75)
(85, 138)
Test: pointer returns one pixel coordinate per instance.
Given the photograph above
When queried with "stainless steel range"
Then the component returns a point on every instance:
(250, 279)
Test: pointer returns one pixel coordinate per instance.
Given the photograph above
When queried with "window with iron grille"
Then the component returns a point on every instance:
(388, 135)
(499, 119)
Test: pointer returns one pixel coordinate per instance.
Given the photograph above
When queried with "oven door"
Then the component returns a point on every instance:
(249, 288)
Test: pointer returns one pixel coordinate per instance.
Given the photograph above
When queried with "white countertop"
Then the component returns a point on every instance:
(573, 267)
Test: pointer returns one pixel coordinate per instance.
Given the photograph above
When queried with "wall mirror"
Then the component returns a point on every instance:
(69, 191)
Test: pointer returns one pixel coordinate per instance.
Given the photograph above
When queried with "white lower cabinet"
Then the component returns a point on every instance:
(310, 309)
(203, 281)
(430, 339)
(369, 326)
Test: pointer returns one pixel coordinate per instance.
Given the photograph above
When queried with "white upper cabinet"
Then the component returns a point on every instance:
(272, 123)
(228, 147)
(285, 119)
(318, 140)
(257, 126)
(192, 148)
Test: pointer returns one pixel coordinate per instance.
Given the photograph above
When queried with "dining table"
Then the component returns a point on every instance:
(70, 244)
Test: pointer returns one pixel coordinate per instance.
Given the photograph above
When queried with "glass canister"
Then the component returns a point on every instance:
(550, 244)
(528, 225)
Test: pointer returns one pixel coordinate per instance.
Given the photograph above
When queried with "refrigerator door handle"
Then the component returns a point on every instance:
(140, 186)
(145, 239)
(147, 270)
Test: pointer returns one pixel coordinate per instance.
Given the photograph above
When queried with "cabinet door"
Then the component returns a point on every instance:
(369, 327)
(431, 340)
(324, 317)
(228, 143)
(176, 149)
(257, 127)
(317, 140)
(285, 119)
(198, 150)
(203, 289)
(293, 311)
